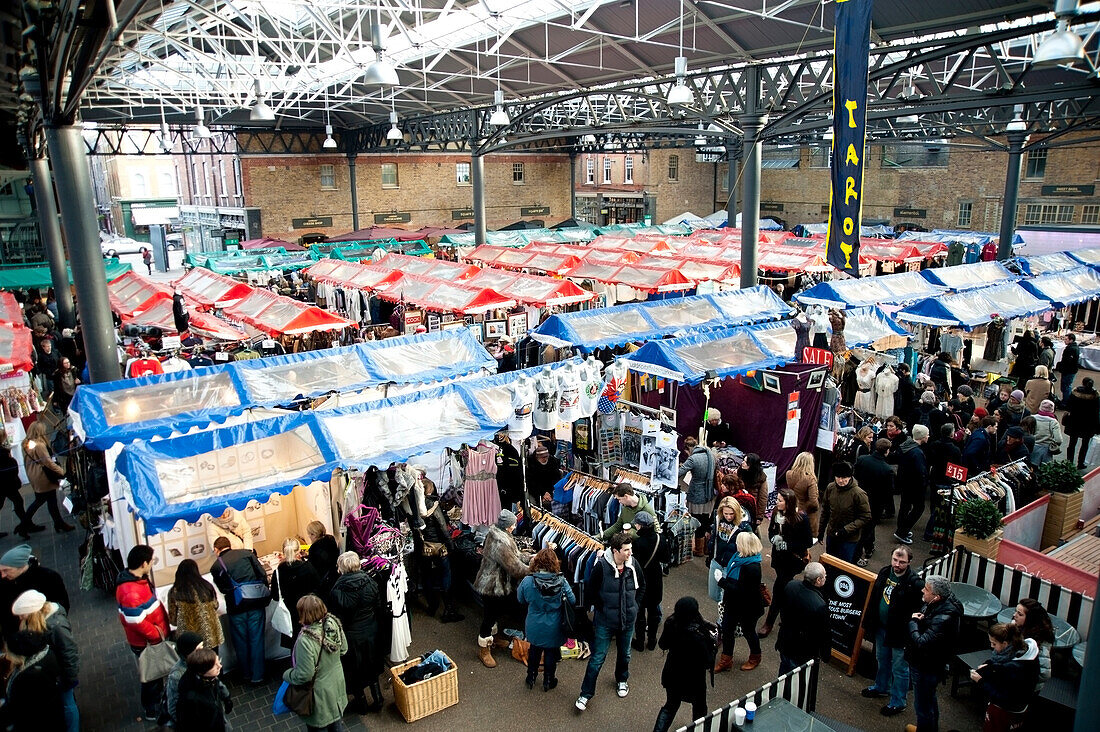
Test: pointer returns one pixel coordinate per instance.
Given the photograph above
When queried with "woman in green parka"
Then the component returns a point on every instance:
(316, 657)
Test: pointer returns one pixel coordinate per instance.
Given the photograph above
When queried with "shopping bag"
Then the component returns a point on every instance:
(157, 660)
(281, 619)
(279, 705)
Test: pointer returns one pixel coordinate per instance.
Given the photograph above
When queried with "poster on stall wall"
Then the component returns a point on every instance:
(582, 435)
(647, 458)
(413, 318)
(610, 436)
(794, 416)
(632, 441)
(667, 465)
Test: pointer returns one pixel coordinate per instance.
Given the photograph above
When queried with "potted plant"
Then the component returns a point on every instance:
(978, 527)
(1064, 483)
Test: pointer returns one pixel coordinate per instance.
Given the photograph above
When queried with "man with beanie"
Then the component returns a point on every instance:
(912, 482)
(803, 620)
(502, 567)
(186, 643)
(651, 550)
(247, 616)
(142, 617)
(846, 510)
(1011, 413)
(965, 395)
(719, 433)
(615, 588)
(630, 506)
(19, 572)
(1011, 448)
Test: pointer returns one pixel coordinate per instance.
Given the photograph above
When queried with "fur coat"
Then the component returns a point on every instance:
(502, 565)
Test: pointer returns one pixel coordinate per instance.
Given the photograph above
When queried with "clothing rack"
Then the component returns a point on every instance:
(543, 517)
(634, 479)
(987, 485)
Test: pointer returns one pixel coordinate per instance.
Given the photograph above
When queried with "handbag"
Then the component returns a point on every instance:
(765, 594)
(521, 649)
(281, 619)
(245, 591)
(713, 590)
(157, 660)
(299, 697)
(434, 549)
(568, 616)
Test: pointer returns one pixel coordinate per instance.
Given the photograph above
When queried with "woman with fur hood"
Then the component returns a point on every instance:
(502, 566)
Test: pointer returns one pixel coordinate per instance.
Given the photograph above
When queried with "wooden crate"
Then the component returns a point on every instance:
(416, 701)
(984, 547)
(1063, 511)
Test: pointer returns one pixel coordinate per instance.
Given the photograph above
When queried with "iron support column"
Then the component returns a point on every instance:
(573, 185)
(1088, 701)
(1012, 191)
(50, 229)
(354, 193)
(731, 186)
(750, 191)
(74, 191)
(477, 178)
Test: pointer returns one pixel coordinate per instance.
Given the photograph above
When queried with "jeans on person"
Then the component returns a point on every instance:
(672, 705)
(72, 713)
(924, 699)
(845, 550)
(247, 629)
(49, 499)
(1065, 383)
(893, 670)
(150, 690)
(538, 654)
(600, 645)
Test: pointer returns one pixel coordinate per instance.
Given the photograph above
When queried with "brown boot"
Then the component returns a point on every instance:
(485, 653)
(725, 663)
(501, 641)
(753, 662)
(700, 548)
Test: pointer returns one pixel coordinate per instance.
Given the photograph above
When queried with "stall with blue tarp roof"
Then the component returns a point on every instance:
(614, 326)
(1044, 263)
(892, 289)
(946, 236)
(1089, 256)
(1061, 290)
(969, 276)
(690, 359)
(865, 327)
(974, 308)
(131, 409)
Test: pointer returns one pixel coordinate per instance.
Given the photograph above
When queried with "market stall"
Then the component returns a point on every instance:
(970, 276)
(442, 296)
(206, 325)
(533, 290)
(210, 290)
(426, 266)
(265, 312)
(131, 294)
(975, 307)
(895, 289)
(1044, 263)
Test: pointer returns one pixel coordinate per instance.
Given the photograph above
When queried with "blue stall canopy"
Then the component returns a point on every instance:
(1086, 278)
(881, 231)
(946, 236)
(974, 308)
(892, 289)
(1045, 263)
(728, 352)
(1060, 289)
(614, 326)
(183, 477)
(869, 327)
(1090, 256)
(132, 409)
(969, 276)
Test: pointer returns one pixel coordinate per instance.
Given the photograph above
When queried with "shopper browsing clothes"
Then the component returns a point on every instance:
(502, 567)
(700, 464)
(544, 591)
(742, 602)
(789, 534)
(846, 511)
(651, 550)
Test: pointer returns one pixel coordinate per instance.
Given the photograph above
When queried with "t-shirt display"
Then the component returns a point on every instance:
(570, 384)
(614, 381)
(547, 391)
(593, 380)
(520, 422)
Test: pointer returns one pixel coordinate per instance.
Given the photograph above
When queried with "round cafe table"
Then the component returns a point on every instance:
(1079, 653)
(1065, 635)
(977, 603)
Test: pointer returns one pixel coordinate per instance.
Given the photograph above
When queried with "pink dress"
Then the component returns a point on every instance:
(481, 501)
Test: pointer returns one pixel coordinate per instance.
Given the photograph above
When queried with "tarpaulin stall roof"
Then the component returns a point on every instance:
(614, 326)
(496, 238)
(10, 311)
(969, 276)
(24, 278)
(882, 250)
(269, 243)
(689, 359)
(132, 409)
(652, 279)
(786, 261)
(427, 266)
(638, 245)
(15, 347)
(720, 219)
(351, 275)
(275, 314)
(1059, 289)
(380, 233)
(160, 315)
(864, 231)
(132, 294)
(442, 296)
(1046, 263)
(290, 260)
(947, 236)
(1086, 278)
(233, 264)
(212, 290)
(894, 289)
(868, 326)
(531, 289)
(1090, 256)
(642, 229)
(973, 308)
(696, 270)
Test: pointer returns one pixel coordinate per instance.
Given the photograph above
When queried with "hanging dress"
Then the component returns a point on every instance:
(481, 499)
(401, 639)
(865, 386)
(886, 385)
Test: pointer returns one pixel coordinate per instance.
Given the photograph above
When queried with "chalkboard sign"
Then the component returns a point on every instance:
(847, 594)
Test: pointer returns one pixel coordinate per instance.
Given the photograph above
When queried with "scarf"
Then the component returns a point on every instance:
(1001, 657)
(733, 569)
(1016, 408)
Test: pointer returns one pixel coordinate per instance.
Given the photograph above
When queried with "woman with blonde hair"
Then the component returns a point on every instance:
(294, 578)
(865, 438)
(1037, 389)
(802, 479)
(356, 601)
(741, 601)
(729, 521)
(44, 475)
(38, 615)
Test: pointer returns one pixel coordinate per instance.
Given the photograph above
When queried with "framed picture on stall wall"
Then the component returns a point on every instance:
(817, 378)
(477, 331)
(517, 325)
(771, 383)
(453, 325)
(433, 322)
(495, 329)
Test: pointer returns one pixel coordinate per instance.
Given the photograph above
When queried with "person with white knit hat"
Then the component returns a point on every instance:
(39, 615)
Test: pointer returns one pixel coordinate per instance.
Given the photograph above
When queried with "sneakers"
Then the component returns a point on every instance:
(889, 711)
(907, 539)
(582, 703)
(872, 693)
(622, 689)
(863, 562)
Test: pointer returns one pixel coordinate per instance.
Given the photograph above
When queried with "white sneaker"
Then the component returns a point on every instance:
(582, 703)
(622, 690)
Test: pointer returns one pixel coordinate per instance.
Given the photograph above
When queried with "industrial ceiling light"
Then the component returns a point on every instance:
(1017, 124)
(260, 111)
(700, 139)
(909, 119)
(381, 71)
(1063, 46)
(680, 93)
(201, 130)
(329, 143)
(588, 139)
(394, 132)
(165, 138)
(499, 118)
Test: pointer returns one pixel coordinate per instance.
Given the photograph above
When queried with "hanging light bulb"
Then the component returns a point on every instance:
(165, 141)
(1063, 46)
(201, 130)
(329, 143)
(588, 139)
(680, 93)
(394, 133)
(381, 71)
(260, 111)
(499, 117)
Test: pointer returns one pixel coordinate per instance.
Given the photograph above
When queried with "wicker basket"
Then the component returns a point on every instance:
(416, 701)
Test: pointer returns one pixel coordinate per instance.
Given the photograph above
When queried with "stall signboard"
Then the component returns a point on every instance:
(1075, 190)
(847, 594)
(459, 214)
(413, 318)
(534, 211)
(393, 217)
(955, 472)
(771, 206)
(910, 213)
(312, 222)
(517, 325)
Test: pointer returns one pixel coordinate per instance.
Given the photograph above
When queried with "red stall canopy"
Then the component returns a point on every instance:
(212, 290)
(531, 289)
(15, 348)
(278, 315)
(203, 324)
(427, 266)
(10, 311)
(431, 293)
(131, 294)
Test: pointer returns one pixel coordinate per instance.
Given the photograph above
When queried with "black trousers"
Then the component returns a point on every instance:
(912, 506)
(672, 705)
(150, 690)
(549, 656)
(9, 492)
(492, 611)
(49, 498)
(730, 620)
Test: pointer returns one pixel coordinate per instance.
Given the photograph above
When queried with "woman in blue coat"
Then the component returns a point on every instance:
(544, 591)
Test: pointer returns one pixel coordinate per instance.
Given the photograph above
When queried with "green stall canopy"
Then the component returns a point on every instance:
(22, 278)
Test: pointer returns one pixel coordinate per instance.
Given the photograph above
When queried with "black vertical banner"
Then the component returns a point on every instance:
(851, 47)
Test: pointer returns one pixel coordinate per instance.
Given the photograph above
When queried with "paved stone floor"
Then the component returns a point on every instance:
(107, 695)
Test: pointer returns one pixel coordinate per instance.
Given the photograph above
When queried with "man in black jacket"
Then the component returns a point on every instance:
(895, 596)
(650, 550)
(912, 482)
(1068, 366)
(232, 568)
(804, 620)
(19, 572)
(876, 476)
(942, 451)
(932, 635)
(616, 587)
